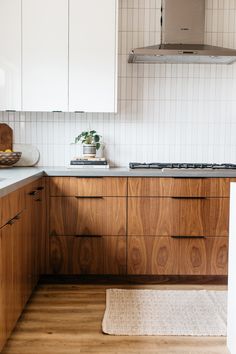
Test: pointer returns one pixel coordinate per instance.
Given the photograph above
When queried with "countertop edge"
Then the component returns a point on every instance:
(20, 176)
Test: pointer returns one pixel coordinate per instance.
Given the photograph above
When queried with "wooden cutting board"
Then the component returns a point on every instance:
(6, 137)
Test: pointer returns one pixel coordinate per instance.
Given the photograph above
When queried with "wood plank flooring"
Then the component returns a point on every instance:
(66, 319)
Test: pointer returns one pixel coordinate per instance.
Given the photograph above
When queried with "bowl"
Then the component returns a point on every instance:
(8, 159)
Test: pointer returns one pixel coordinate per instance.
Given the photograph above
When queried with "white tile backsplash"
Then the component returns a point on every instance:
(165, 112)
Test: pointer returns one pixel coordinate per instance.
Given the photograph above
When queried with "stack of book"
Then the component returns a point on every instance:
(89, 162)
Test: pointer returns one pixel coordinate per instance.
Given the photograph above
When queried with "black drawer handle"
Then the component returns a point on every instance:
(189, 198)
(33, 193)
(189, 237)
(80, 197)
(90, 177)
(40, 188)
(88, 236)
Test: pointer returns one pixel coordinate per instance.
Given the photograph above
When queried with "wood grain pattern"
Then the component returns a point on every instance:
(114, 255)
(152, 255)
(171, 256)
(98, 187)
(207, 217)
(151, 216)
(11, 205)
(66, 319)
(178, 217)
(87, 255)
(6, 137)
(12, 287)
(178, 187)
(203, 257)
(93, 216)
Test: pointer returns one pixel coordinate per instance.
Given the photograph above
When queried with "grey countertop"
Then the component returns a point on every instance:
(13, 178)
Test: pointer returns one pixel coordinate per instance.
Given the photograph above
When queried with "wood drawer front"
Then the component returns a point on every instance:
(87, 216)
(202, 217)
(171, 256)
(203, 256)
(152, 255)
(86, 255)
(73, 186)
(151, 216)
(178, 187)
(11, 205)
(178, 217)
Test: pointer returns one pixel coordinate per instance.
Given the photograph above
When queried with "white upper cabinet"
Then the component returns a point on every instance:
(10, 55)
(58, 55)
(45, 55)
(93, 55)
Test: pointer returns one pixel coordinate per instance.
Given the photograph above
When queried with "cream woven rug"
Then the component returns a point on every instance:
(165, 312)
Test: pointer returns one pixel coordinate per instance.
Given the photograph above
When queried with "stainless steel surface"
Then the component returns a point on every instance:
(183, 23)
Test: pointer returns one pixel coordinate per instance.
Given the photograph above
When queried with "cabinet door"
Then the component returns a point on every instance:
(11, 246)
(92, 55)
(87, 216)
(202, 217)
(152, 255)
(45, 55)
(206, 256)
(76, 255)
(87, 255)
(6, 286)
(10, 55)
(151, 216)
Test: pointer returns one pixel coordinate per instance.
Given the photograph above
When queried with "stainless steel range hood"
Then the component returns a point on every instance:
(182, 38)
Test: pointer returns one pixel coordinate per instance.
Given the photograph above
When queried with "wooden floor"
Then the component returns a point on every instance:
(66, 319)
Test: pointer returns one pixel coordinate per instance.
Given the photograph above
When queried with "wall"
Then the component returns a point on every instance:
(166, 112)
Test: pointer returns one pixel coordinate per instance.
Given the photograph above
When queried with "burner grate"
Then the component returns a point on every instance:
(160, 166)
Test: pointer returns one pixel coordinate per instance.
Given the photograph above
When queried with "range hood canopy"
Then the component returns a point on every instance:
(182, 38)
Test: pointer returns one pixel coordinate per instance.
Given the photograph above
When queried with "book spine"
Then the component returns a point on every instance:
(88, 163)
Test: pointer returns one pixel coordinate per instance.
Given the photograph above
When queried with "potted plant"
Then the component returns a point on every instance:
(91, 142)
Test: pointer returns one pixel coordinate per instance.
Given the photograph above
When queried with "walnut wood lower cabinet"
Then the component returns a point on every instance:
(21, 243)
(148, 255)
(76, 255)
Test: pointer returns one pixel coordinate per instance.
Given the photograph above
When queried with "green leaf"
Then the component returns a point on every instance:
(92, 132)
(98, 146)
(96, 138)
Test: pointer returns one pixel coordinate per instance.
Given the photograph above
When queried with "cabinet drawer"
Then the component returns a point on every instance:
(178, 217)
(11, 205)
(203, 256)
(152, 255)
(177, 256)
(178, 187)
(87, 255)
(95, 216)
(73, 186)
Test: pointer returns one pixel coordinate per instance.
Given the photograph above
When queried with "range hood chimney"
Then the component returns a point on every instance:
(182, 38)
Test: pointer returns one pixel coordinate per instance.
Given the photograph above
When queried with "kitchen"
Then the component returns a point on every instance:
(54, 89)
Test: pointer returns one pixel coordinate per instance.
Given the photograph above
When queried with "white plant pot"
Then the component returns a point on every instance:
(89, 150)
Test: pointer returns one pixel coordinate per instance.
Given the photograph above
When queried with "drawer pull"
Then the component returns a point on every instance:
(194, 198)
(40, 188)
(33, 193)
(192, 237)
(88, 236)
(94, 197)
(90, 177)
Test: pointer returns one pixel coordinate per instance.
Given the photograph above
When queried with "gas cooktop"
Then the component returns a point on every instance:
(160, 166)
